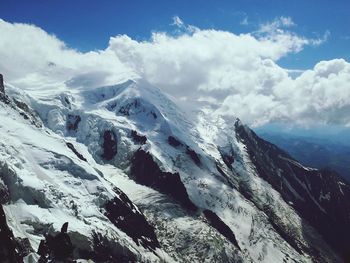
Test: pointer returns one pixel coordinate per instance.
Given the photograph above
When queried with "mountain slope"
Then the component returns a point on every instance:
(126, 163)
(318, 153)
(320, 196)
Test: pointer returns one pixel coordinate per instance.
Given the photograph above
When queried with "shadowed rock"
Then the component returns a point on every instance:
(194, 156)
(2, 87)
(57, 248)
(191, 153)
(141, 139)
(109, 145)
(78, 154)
(8, 245)
(124, 215)
(73, 122)
(173, 141)
(3, 97)
(27, 113)
(220, 226)
(4, 193)
(146, 171)
(105, 250)
(228, 158)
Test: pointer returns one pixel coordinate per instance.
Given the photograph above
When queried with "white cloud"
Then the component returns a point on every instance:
(182, 27)
(321, 40)
(30, 56)
(276, 25)
(286, 21)
(279, 29)
(231, 74)
(177, 21)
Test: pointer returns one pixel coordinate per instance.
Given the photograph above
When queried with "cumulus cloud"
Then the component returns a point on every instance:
(226, 73)
(321, 94)
(30, 56)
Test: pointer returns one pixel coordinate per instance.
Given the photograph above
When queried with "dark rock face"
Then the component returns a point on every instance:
(124, 215)
(109, 145)
(27, 113)
(24, 247)
(225, 176)
(194, 156)
(191, 153)
(67, 103)
(79, 155)
(22, 108)
(3, 97)
(2, 86)
(144, 170)
(73, 122)
(106, 251)
(8, 245)
(22, 105)
(321, 197)
(133, 107)
(227, 157)
(141, 139)
(173, 141)
(220, 226)
(57, 248)
(4, 193)
(125, 110)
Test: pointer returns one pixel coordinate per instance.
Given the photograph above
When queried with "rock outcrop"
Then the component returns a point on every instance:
(109, 145)
(144, 170)
(219, 225)
(57, 248)
(3, 97)
(73, 122)
(2, 86)
(124, 215)
(8, 245)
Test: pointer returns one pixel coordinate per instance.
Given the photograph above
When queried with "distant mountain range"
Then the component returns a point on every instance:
(314, 151)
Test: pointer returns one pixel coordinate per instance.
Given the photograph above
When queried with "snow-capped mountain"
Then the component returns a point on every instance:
(138, 180)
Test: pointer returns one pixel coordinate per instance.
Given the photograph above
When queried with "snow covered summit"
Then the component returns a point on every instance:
(139, 180)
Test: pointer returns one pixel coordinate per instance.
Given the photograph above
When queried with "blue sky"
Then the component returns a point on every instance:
(240, 67)
(87, 25)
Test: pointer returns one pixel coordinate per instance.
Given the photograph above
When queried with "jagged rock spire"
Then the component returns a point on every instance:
(2, 87)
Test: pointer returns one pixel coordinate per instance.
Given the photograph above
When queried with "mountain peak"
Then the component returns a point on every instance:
(109, 158)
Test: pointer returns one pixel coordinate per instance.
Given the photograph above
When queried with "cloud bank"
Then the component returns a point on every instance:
(225, 73)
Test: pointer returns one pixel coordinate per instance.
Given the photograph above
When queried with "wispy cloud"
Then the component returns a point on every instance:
(244, 21)
(281, 28)
(179, 23)
(321, 40)
(278, 24)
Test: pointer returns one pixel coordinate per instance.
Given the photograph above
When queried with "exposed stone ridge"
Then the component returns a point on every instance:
(2, 86)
